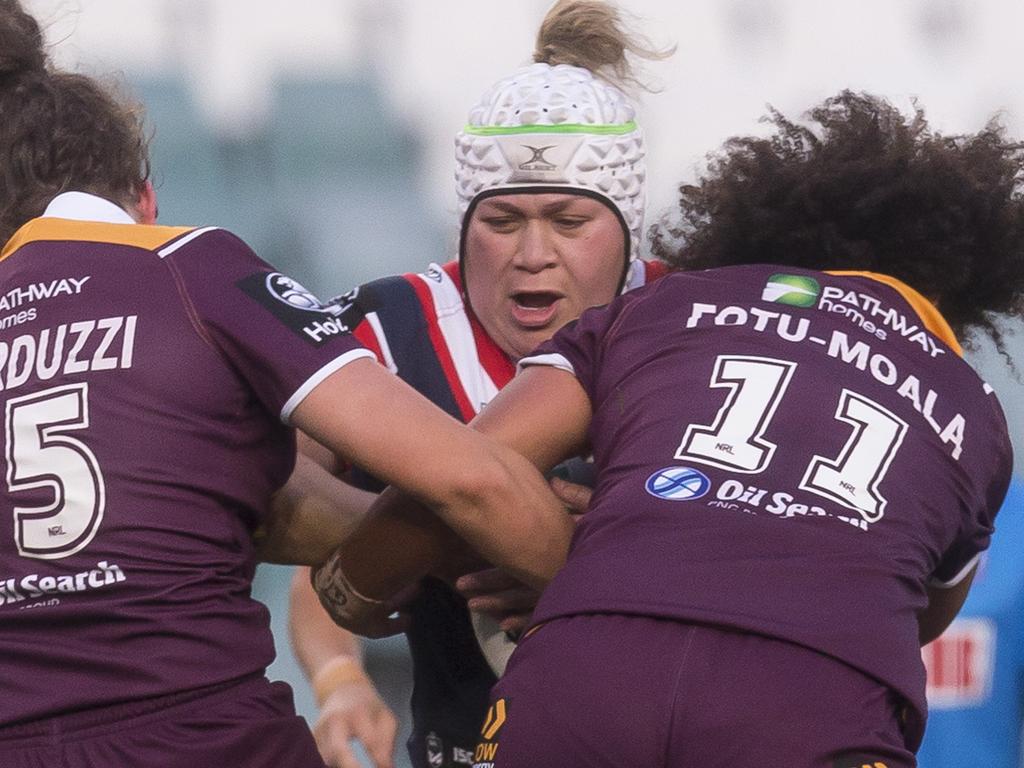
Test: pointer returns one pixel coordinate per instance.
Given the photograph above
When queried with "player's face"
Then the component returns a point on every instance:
(533, 262)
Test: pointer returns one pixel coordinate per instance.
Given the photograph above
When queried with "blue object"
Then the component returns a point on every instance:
(976, 669)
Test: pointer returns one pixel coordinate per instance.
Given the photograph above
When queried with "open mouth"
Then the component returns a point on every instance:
(535, 308)
(537, 300)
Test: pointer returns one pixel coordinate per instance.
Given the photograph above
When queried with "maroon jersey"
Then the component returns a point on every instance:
(792, 453)
(148, 374)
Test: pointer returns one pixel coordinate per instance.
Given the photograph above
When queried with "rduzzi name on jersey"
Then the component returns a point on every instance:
(838, 345)
(70, 348)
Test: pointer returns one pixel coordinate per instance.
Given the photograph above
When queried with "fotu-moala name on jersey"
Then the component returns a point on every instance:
(298, 309)
(859, 354)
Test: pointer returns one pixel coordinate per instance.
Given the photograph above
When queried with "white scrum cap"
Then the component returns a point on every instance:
(555, 127)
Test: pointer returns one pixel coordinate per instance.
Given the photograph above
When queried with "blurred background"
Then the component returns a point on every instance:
(321, 130)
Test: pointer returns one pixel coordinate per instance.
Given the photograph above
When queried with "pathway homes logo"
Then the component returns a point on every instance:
(794, 290)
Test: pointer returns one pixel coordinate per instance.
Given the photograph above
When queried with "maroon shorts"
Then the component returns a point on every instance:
(246, 724)
(613, 690)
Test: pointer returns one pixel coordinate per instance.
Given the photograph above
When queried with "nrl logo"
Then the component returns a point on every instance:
(537, 162)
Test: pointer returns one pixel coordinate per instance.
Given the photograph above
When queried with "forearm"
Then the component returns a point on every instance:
(507, 514)
(310, 516)
(511, 517)
(350, 707)
(398, 543)
(321, 454)
(487, 493)
(316, 640)
(515, 521)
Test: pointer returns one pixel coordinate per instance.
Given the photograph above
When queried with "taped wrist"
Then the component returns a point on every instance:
(337, 595)
(341, 670)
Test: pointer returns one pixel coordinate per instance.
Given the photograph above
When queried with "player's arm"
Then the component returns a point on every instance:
(506, 600)
(350, 707)
(544, 414)
(943, 605)
(320, 454)
(315, 639)
(952, 578)
(309, 516)
(482, 488)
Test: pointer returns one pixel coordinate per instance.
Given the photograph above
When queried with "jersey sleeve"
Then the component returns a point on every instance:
(358, 308)
(279, 337)
(977, 529)
(577, 347)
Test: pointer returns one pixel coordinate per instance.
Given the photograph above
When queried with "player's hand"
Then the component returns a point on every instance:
(494, 592)
(576, 497)
(353, 711)
(355, 612)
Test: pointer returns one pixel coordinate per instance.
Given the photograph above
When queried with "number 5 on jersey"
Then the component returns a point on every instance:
(40, 454)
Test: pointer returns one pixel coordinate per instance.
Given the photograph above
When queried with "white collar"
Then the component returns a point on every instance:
(81, 206)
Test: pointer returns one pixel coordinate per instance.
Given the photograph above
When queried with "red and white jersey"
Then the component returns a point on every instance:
(420, 327)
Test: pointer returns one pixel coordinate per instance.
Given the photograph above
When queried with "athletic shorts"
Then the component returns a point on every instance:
(611, 691)
(246, 724)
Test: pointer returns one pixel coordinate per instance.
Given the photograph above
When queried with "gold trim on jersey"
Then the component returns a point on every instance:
(496, 716)
(149, 237)
(926, 310)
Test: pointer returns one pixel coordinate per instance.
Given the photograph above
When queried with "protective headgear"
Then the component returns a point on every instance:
(554, 127)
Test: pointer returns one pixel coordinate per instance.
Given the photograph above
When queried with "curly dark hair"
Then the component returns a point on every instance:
(59, 131)
(868, 189)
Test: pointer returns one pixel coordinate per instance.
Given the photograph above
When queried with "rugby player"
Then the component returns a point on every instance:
(797, 470)
(149, 380)
(550, 178)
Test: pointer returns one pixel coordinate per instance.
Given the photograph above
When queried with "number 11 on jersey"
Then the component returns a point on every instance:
(735, 440)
